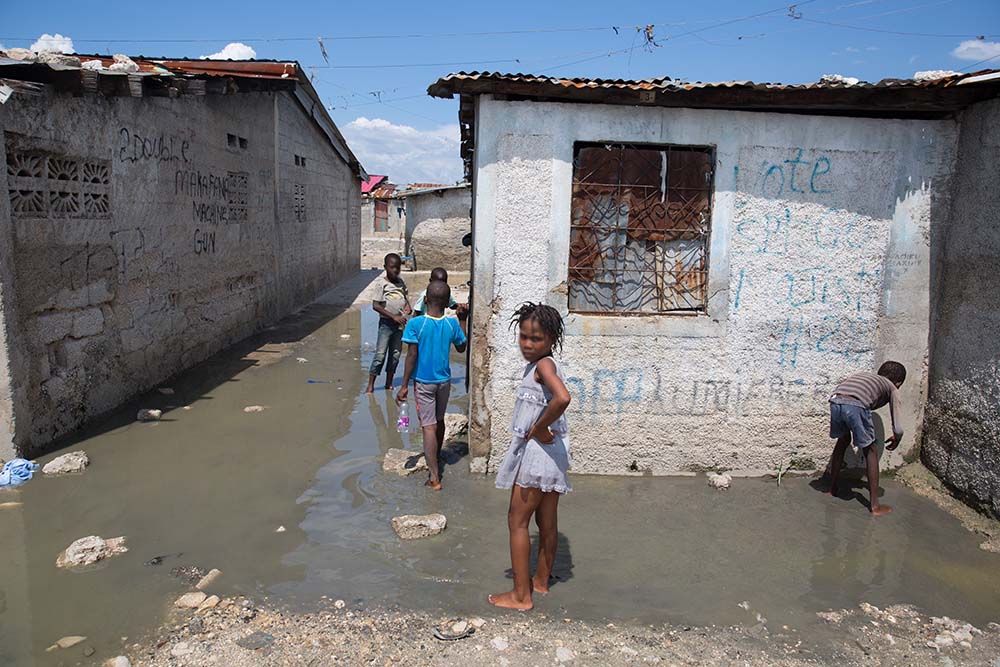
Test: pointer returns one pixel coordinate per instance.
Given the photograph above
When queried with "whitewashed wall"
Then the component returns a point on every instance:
(818, 268)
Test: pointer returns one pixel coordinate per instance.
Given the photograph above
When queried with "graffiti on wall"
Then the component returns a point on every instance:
(647, 390)
(136, 147)
(790, 246)
(215, 199)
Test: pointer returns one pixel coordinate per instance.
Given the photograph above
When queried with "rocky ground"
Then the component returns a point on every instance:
(238, 633)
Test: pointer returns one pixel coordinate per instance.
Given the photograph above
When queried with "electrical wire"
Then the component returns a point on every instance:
(976, 64)
(893, 32)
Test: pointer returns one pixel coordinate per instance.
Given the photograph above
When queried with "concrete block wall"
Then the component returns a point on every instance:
(962, 433)
(139, 236)
(319, 209)
(818, 267)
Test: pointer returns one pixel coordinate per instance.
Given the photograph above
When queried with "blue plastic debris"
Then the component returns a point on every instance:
(17, 471)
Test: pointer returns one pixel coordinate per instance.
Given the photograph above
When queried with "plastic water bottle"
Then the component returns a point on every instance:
(403, 422)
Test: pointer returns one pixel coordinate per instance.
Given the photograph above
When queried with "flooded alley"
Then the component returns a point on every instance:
(292, 505)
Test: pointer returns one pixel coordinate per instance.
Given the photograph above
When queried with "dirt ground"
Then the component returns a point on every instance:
(238, 633)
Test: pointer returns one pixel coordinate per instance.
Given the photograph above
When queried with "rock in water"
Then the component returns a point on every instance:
(208, 579)
(456, 428)
(120, 661)
(403, 462)
(190, 600)
(718, 481)
(190, 573)
(67, 642)
(563, 654)
(180, 650)
(253, 408)
(149, 415)
(89, 550)
(414, 527)
(71, 462)
(211, 602)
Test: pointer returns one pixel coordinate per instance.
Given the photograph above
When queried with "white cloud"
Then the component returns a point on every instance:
(851, 49)
(233, 51)
(977, 49)
(871, 48)
(406, 154)
(56, 43)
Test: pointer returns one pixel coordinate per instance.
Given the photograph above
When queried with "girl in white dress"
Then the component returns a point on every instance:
(536, 463)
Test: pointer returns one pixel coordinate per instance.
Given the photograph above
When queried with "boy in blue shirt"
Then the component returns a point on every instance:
(430, 337)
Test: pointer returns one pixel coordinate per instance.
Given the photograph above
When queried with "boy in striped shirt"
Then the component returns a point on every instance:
(851, 408)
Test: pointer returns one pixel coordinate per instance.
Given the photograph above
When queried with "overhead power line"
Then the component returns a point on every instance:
(896, 32)
(981, 62)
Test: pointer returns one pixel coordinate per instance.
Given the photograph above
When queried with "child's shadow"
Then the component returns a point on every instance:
(562, 569)
(850, 485)
(453, 452)
(848, 489)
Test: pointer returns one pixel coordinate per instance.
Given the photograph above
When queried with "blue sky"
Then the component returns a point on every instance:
(395, 127)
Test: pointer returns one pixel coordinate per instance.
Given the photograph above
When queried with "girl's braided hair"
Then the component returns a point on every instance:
(547, 317)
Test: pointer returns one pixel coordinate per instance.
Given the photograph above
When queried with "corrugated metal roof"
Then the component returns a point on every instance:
(371, 182)
(446, 86)
(427, 188)
(833, 95)
(173, 77)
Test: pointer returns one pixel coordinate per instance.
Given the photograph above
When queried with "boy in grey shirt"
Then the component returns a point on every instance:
(392, 303)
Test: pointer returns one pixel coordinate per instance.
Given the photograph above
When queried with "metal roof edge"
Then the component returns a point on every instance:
(311, 102)
(399, 194)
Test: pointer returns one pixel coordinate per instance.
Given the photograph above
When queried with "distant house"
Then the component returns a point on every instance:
(383, 221)
(425, 222)
(724, 253)
(438, 217)
(156, 211)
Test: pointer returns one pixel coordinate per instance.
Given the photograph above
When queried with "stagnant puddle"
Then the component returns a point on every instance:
(210, 486)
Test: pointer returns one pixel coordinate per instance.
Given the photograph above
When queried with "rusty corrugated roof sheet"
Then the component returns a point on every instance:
(173, 77)
(458, 82)
(888, 98)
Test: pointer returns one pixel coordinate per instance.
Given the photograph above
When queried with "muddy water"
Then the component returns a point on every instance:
(210, 485)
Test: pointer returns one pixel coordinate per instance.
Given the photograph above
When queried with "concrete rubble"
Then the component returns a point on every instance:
(89, 550)
(191, 600)
(403, 462)
(456, 428)
(332, 635)
(67, 463)
(208, 579)
(719, 481)
(413, 526)
(146, 415)
(67, 642)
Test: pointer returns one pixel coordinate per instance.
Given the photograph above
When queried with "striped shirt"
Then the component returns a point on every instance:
(872, 391)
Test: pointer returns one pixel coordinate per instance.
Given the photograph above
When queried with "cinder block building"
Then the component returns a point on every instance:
(724, 253)
(155, 212)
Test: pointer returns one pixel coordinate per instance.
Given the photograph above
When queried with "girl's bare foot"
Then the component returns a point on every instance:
(880, 510)
(538, 587)
(509, 601)
(434, 486)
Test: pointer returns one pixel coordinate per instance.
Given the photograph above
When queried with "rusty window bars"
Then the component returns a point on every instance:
(641, 219)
